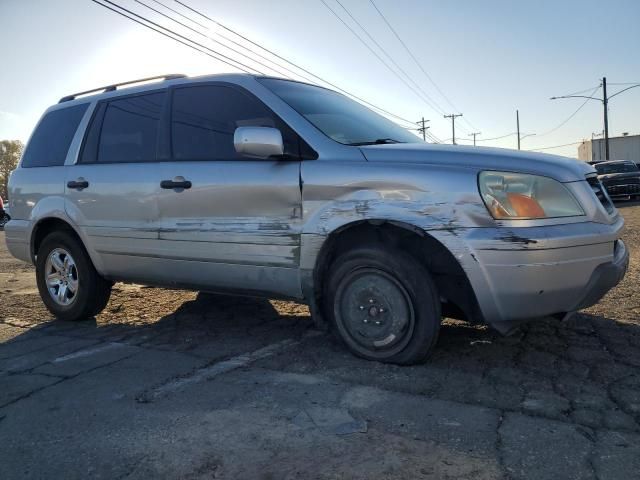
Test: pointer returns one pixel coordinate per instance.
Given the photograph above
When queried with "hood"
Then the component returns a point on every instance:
(563, 169)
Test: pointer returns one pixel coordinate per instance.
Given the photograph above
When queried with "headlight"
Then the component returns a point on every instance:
(520, 196)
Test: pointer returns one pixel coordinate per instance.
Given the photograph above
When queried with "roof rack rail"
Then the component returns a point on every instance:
(111, 88)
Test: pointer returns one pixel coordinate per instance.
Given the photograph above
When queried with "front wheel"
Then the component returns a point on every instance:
(69, 285)
(383, 304)
(4, 219)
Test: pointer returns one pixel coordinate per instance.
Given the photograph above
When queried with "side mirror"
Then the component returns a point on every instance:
(258, 142)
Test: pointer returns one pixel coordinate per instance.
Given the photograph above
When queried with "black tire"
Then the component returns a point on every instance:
(4, 219)
(93, 291)
(401, 317)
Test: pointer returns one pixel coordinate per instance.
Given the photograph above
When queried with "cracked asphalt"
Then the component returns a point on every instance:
(172, 384)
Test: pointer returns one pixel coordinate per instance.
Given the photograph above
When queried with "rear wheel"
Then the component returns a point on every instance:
(69, 285)
(383, 305)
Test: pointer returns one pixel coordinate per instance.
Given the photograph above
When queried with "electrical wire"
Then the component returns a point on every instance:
(555, 146)
(317, 77)
(238, 44)
(208, 37)
(394, 72)
(496, 138)
(169, 36)
(432, 103)
(408, 50)
(570, 116)
(581, 91)
(216, 55)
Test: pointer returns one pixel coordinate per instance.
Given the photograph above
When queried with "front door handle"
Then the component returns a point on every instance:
(78, 184)
(178, 183)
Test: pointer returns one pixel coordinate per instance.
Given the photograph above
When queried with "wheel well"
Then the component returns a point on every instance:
(44, 228)
(457, 295)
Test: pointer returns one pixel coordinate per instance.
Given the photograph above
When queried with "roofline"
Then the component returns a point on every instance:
(170, 79)
(113, 87)
(610, 138)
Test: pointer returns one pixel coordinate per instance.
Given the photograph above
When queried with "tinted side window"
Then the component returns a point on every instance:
(50, 142)
(204, 119)
(130, 129)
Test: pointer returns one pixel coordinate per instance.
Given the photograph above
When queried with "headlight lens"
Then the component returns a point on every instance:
(521, 196)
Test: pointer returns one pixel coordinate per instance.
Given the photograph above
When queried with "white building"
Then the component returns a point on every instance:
(626, 147)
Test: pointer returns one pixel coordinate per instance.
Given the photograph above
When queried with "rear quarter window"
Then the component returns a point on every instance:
(50, 142)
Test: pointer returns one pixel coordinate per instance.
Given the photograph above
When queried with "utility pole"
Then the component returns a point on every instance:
(453, 117)
(474, 137)
(605, 103)
(423, 128)
(518, 127)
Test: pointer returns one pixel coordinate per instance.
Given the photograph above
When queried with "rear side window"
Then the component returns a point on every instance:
(130, 129)
(204, 119)
(50, 142)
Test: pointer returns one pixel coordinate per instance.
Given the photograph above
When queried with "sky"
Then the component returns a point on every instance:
(484, 59)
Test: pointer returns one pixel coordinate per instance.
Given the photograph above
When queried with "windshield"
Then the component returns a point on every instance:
(625, 167)
(337, 116)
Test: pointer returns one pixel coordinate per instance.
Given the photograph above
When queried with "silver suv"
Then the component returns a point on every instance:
(264, 186)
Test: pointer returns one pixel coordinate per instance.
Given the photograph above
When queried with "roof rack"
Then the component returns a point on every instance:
(111, 88)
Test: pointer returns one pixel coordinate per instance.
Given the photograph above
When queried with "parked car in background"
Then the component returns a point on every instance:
(621, 178)
(265, 186)
(4, 212)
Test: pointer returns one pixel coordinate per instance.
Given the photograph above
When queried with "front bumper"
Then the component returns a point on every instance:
(605, 277)
(525, 273)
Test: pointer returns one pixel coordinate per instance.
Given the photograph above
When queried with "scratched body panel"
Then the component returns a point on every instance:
(245, 213)
(261, 225)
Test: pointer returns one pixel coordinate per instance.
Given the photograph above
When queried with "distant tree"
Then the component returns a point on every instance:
(10, 151)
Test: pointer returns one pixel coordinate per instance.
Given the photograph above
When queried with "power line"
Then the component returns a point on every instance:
(217, 55)
(572, 115)
(408, 50)
(432, 103)
(360, 99)
(555, 146)
(244, 47)
(394, 72)
(583, 91)
(169, 36)
(180, 14)
(497, 138)
(208, 37)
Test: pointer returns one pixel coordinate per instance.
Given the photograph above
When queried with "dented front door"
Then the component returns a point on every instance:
(227, 222)
(237, 225)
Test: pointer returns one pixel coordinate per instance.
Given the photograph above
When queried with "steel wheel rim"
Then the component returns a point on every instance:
(375, 311)
(61, 277)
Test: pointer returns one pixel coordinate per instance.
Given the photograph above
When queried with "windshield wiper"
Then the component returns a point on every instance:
(379, 141)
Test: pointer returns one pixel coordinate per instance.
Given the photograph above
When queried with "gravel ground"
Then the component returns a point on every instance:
(186, 385)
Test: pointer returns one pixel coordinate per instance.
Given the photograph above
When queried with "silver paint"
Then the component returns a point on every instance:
(258, 226)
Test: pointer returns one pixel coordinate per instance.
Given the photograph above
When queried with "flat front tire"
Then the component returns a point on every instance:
(383, 305)
(69, 284)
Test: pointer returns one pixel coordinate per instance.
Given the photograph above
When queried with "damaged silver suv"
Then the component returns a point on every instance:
(264, 186)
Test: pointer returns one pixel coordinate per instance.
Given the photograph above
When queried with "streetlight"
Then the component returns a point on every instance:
(605, 105)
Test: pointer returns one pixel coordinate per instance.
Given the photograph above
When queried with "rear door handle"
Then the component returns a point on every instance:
(177, 183)
(78, 184)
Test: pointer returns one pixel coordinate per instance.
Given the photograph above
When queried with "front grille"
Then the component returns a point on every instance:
(599, 191)
(628, 189)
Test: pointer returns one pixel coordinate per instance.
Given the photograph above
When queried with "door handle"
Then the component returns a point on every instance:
(175, 184)
(78, 184)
